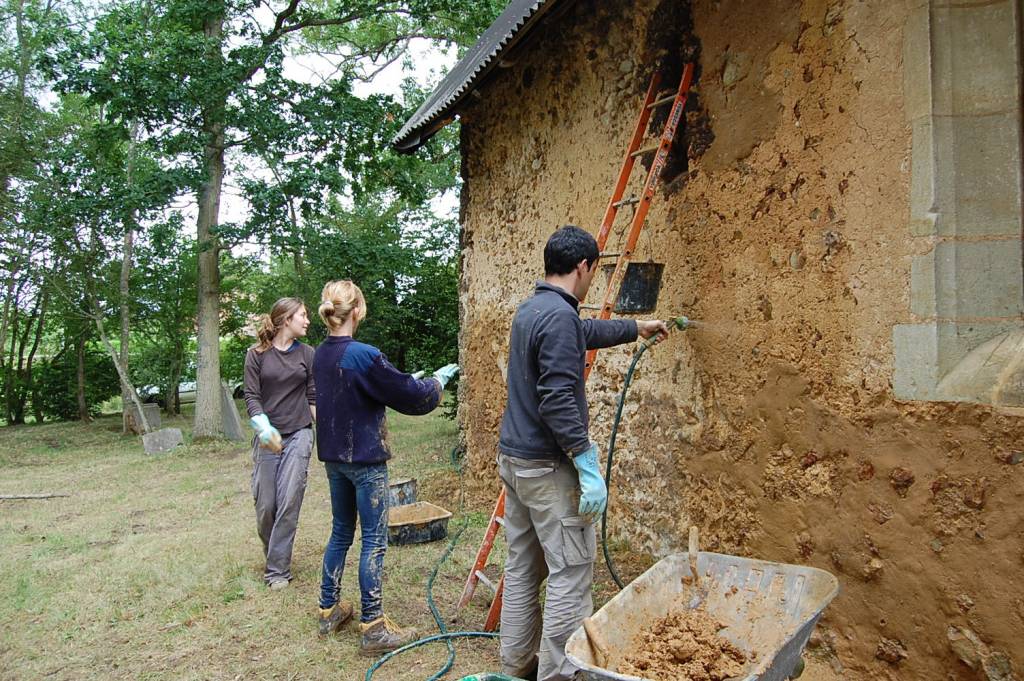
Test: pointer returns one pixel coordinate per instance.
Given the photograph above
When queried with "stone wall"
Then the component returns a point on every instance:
(792, 233)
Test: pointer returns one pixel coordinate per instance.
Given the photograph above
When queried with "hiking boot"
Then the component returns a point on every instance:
(382, 636)
(331, 619)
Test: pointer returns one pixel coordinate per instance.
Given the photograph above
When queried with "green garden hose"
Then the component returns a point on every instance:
(681, 323)
(611, 454)
(430, 639)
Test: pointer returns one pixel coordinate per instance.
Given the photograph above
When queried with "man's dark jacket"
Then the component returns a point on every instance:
(546, 415)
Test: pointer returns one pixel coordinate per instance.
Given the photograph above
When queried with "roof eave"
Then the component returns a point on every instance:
(433, 120)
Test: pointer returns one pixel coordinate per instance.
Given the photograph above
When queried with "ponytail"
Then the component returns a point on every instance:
(264, 332)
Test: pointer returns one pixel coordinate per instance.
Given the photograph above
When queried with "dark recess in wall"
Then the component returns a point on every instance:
(670, 44)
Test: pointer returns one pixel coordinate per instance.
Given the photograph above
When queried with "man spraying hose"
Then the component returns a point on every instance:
(550, 468)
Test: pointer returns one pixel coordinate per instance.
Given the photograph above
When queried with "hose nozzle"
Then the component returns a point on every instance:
(682, 323)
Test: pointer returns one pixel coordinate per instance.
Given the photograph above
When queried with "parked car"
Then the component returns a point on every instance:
(186, 392)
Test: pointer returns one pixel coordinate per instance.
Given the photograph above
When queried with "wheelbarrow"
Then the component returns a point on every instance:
(769, 611)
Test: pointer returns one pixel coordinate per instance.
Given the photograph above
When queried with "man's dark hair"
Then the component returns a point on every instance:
(566, 247)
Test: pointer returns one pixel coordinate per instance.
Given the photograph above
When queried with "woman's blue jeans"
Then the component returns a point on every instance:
(357, 490)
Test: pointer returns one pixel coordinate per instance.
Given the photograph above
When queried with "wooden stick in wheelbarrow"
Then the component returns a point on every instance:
(691, 553)
(597, 643)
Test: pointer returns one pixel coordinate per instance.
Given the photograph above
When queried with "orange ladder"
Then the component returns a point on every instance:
(652, 100)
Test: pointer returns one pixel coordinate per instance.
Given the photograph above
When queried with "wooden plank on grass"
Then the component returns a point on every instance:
(42, 495)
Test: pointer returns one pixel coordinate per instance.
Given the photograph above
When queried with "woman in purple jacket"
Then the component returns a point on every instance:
(354, 384)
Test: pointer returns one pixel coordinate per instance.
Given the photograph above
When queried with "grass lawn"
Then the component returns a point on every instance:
(151, 568)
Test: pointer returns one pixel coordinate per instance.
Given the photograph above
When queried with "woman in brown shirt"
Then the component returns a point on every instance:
(281, 401)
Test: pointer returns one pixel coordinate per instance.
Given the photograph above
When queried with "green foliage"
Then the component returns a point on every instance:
(432, 309)
(165, 306)
(57, 382)
(410, 289)
(232, 357)
(109, 112)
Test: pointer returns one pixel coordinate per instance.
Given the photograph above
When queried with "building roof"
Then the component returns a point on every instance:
(507, 30)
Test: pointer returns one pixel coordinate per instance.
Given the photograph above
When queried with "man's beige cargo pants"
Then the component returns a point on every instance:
(546, 538)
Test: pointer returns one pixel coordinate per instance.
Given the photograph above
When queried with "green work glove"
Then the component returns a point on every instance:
(594, 497)
(418, 375)
(446, 373)
(264, 431)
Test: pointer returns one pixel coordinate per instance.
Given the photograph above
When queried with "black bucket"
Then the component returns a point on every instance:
(640, 287)
(401, 492)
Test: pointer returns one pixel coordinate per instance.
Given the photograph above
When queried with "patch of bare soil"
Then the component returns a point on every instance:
(683, 646)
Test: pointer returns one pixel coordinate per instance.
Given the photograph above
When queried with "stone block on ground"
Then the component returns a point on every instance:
(232, 420)
(162, 440)
(152, 412)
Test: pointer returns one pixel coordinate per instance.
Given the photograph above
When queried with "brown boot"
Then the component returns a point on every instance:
(331, 619)
(382, 636)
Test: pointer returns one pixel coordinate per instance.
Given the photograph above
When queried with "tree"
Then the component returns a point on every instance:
(26, 34)
(58, 379)
(166, 301)
(86, 193)
(206, 77)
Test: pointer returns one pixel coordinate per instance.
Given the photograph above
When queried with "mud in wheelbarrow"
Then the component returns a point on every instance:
(769, 611)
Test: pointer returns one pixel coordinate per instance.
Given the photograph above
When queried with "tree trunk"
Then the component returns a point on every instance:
(83, 406)
(96, 314)
(18, 396)
(30, 383)
(208, 413)
(122, 371)
(8, 298)
(126, 271)
(9, 370)
(5, 366)
(37, 402)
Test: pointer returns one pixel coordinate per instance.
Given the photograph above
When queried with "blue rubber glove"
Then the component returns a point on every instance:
(594, 497)
(446, 373)
(418, 375)
(264, 431)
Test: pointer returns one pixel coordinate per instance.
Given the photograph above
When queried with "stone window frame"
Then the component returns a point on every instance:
(962, 91)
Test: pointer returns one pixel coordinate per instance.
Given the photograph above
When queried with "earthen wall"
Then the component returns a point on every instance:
(773, 426)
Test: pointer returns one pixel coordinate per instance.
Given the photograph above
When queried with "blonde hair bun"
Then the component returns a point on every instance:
(339, 299)
(326, 309)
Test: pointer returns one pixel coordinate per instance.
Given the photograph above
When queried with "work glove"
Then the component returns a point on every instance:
(268, 435)
(594, 493)
(446, 373)
(418, 375)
